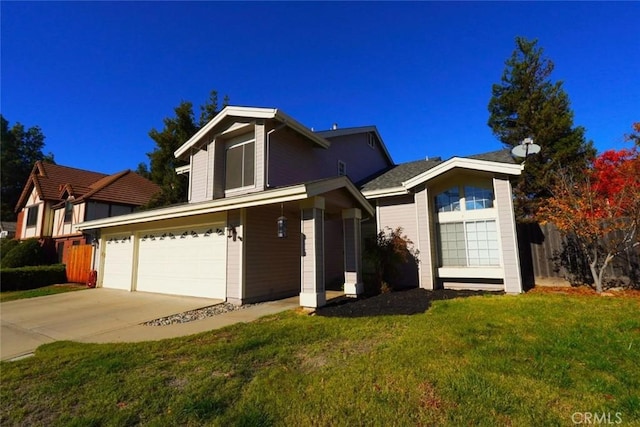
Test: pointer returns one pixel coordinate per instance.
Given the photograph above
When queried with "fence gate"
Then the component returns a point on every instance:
(79, 263)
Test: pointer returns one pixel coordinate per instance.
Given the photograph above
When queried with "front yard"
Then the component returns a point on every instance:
(534, 359)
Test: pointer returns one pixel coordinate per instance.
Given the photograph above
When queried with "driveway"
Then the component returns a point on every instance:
(82, 315)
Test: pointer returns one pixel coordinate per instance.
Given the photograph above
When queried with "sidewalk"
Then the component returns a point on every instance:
(137, 333)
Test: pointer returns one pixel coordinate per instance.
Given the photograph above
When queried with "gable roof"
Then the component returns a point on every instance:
(250, 113)
(334, 133)
(54, 183)
(400, 178)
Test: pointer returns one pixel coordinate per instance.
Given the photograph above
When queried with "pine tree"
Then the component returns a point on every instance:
(162, 163)
(527, 104)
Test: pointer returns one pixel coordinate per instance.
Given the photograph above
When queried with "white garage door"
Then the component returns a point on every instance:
(118, 262)
(187, 261)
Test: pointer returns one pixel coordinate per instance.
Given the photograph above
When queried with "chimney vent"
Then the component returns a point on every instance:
(334, 126)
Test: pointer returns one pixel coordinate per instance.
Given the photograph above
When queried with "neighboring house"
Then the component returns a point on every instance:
(56, 198)
(7, 230)
(272, 211)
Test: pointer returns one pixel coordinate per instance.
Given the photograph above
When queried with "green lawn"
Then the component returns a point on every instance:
(39, 292)
(528, 360)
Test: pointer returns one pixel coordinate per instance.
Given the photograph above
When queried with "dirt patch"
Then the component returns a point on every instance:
(406, 302)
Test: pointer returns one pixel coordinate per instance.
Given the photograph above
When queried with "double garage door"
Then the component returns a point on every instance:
(185, 261)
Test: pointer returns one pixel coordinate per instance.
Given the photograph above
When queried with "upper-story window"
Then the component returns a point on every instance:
(448, 200)
(240, 163)
(68, 212)
(474, 198)
(32, 216)
(477, 198)
(342, 168)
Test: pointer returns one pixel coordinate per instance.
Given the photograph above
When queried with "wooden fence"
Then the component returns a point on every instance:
(545, 253)
(79, 263)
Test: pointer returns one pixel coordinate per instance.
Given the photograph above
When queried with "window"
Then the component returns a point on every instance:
(32, 216)
(97, 210)
(240, 165)
(372, 141)
(469, 244)
(448, 200)
(474, 198)
(68, 212)
(342, 168)
(477, 198)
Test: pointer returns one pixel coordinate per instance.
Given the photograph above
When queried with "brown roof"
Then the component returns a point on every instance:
(55, 182)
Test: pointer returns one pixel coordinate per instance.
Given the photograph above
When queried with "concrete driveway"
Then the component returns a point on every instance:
(81, 316)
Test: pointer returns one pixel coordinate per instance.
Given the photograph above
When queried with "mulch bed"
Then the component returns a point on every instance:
(411, 301)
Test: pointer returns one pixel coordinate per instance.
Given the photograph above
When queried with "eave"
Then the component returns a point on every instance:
(279, 195)
(250, 113)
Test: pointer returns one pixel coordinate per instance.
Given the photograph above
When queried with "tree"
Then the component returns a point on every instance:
(634, 136)
(177, 130)
(600, 208)
(526, 103)
(20, 150)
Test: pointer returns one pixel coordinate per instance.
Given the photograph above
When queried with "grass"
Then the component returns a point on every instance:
(525, 360)
(39, 292)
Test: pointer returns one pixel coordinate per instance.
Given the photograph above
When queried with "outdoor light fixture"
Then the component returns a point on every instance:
(231, 232)
(282, 224)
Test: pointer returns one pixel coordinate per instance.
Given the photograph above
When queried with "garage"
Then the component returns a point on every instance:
(118, 261)
(183, 261)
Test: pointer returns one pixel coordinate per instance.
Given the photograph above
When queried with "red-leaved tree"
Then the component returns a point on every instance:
(600, 209)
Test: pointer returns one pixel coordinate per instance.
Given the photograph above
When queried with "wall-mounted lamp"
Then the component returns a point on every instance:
(231, 232)
(282, 227)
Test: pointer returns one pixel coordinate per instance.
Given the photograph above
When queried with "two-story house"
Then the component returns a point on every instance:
(56, 198)
(272, 211)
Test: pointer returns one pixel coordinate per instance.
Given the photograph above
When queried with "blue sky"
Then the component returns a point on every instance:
(97, 76)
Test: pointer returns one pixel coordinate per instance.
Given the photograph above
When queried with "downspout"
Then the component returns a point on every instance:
(268, 150)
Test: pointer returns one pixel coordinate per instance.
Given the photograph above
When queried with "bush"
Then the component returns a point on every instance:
(24, 278)
(26, 253)
(386, 253)
(6, 245)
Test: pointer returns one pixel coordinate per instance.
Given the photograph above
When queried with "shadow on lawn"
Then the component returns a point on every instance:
(411, 301)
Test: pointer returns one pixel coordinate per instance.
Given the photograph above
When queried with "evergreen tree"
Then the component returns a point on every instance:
(526, 103)
(20, 150)
(162, 163)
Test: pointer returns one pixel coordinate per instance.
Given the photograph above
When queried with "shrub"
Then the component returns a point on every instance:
(27, 253)
(24, 278)
(386, 254)
(6, 245)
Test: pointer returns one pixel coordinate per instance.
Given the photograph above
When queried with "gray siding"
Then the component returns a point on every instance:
(260, 156)
(273, 264)
(199, 176)
(397, 212)
(508, 239)
(235, 255)
(425, 242)
(293, 160)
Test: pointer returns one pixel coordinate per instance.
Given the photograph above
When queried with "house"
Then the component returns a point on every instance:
(7, 230)
(273, 211)
(56, 198)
